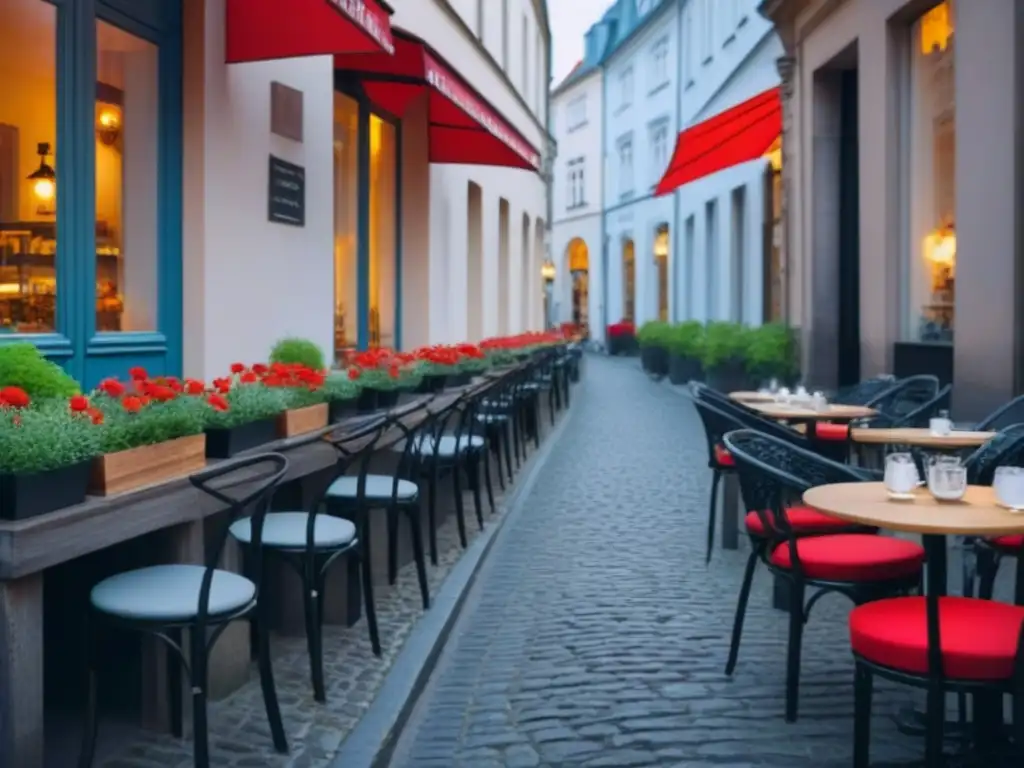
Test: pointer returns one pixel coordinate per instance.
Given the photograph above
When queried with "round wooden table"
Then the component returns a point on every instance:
(977, 514)
(752, 397)
(806, 415)
(920, 438)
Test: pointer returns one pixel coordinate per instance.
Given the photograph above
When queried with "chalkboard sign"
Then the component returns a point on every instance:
(287, 193)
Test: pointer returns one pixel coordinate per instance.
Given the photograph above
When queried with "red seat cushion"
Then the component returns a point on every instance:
(853, 557)
(801, 520)
(1009, 542)
(723, 457)
(979, 637)
(826, 430)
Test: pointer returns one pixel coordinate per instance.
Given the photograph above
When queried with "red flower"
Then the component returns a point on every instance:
(112, 387)
(138, 372)
(132, 404)
(194, 387)
(96, 415)
(393, 371)
(79, 403)
(237, 367)
(259, 369)
(222, 385)
(248, 378)
(162, 393)
(354, 373)
(217, 402)
(16, 397)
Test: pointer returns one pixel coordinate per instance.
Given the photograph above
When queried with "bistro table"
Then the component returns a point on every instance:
(976, 514)
(799, 414)
(920, 438)
(752, 397)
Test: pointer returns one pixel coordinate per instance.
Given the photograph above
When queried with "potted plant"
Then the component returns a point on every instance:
(152, 431)
(383, 375)
(244, 415)
(686, 352)
(621, 338)
(342, 393)
(725, 347)
(436, 365)
(303, 387)
(472, 362)
(46, 451)
(22, 365)
(295, 351)
(772, 353)
(653, 341)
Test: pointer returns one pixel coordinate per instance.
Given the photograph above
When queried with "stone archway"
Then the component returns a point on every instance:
(577, 259)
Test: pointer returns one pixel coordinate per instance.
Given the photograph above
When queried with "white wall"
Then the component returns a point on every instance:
(248, 282)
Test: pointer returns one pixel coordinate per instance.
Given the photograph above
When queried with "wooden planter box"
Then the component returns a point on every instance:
(299, 421)
(147, 465)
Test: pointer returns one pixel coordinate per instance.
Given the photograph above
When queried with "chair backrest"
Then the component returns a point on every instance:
(245, 485)
(750, 418)
(863, 392)
(920, 416)
(1004, 416)
(774, 473)
(903, 398)
(716, 424)
(1005, 449)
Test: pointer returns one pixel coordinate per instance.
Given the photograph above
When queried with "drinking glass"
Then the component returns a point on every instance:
(947, 478)
(901, 476)
(1008, 484)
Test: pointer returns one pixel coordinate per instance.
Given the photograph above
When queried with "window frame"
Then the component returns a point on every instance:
(627, 182)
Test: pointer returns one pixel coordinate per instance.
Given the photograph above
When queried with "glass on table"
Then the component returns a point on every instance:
(947, 478)
(819, 402)
(1008, 485)
(901, 476)
(940, 425)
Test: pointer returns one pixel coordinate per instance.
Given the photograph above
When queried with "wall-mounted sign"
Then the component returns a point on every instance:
(286, 111)
(287, 193)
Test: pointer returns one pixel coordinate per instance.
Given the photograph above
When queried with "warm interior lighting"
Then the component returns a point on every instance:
(936, 28)
(939, 247)
(44, 190)
(661, 244)
(44, 180)
(108, 124)
(547, 270)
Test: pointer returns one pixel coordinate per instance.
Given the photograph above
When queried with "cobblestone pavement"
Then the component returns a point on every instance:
(595, 635)
(239, 734)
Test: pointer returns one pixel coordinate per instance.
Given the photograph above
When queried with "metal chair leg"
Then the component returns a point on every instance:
(199, 654)
(793, 651)
(314, 640)
(392, 515)
(270, 701)
(460, 510)
(863, 684)
(367, 579)
(472, 466)
(487, 477)
(416, 535)
(716, 477)
(88, 749)
(741, 613)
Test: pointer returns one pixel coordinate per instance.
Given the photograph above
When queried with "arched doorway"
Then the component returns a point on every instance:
(578, 261)
(628, 280)
(661, 263)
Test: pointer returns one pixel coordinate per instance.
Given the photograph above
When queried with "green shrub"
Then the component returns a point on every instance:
(654, 333)
(300, 351)
(46, 435)
(687, 339)
(23, 365)
(724, 343)
(772, 351)
(249, 402)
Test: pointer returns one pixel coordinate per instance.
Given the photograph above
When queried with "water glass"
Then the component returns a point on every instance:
(1008, 484)
(819, 402)
(947, 478)
(901, 475)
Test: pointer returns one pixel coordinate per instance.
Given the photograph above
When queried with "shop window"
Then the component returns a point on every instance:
(127, 136)
(28, 189)
(346, 210)
(661, 261)
(929, 164)
(712, 267)
(628, 281)
(738, 246)
(382, 232)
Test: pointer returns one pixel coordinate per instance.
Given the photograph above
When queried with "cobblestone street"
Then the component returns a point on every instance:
(595, 635)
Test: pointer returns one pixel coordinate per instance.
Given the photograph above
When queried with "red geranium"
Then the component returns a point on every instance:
(217, 402)
(138, 372)
(14, 397)
(79, 403)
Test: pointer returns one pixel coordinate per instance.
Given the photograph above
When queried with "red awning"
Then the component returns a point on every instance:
(744, 132)
(260, 30)
(464, 128)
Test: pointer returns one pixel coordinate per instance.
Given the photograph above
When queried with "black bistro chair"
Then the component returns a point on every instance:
(1003, 416)
(166, 600)
(311, 542)
(863, 566)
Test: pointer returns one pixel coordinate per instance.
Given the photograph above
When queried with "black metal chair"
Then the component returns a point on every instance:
(773, 476)
(164, 601)
(311, 542)
(716, 424)
(1004, 416)
(918, 416)
(863, 392)
(496, 414)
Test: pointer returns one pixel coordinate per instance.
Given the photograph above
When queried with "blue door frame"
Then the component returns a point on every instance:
(87, 355)
(351, 87)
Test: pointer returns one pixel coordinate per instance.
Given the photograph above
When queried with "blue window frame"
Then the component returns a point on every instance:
(86, 352)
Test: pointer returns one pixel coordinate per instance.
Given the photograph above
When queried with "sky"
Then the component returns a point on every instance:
(570, 19)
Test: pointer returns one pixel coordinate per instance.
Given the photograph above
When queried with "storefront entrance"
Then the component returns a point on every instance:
(578, 260)
(367, 273)
(90, 182)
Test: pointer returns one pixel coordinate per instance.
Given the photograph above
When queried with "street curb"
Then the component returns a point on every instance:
(372, 741)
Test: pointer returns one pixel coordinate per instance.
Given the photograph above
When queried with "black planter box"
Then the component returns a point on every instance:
(225, 443)
(458, 379)
(655, 360)
(683, 370)
(729, 377)
(339, 410)
(30, 495)
(388, 398)
(622, 345)
(432, 382)
(367, 401)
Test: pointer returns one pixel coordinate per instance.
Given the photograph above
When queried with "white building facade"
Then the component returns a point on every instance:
(353, 172)
(576, 236)
(641, 121)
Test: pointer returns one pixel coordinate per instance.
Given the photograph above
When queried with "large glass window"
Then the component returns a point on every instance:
(628, 281)
(382, 232)
(127, 169)
(28, 188)
(346, 209)
(661, 260)
(930, 188)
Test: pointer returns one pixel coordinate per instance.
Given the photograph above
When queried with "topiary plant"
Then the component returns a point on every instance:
(724, 344)
(771, 351)
(653, 333)
(687, 340)
(23, 365)
(301, 351)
